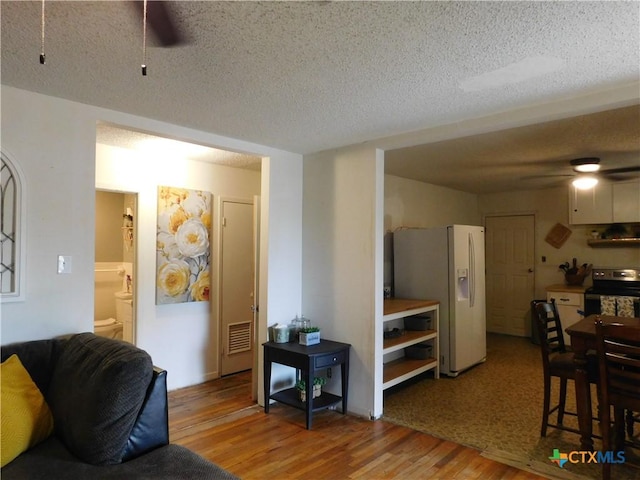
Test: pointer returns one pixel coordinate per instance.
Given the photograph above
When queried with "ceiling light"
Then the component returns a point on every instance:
(585, 182)
(586, 165)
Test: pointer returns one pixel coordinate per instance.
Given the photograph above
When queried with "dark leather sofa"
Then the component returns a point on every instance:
(110, 414)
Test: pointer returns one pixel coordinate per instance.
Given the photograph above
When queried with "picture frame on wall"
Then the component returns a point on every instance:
(183, 252)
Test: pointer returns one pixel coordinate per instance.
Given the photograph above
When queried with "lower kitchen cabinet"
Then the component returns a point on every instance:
(570, 304)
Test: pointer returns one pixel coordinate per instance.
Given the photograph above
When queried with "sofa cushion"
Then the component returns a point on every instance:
(96, 392)
(26, 418)
(51, 460)
(38, 357)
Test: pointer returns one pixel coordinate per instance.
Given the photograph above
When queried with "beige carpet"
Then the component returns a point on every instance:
(496, 407)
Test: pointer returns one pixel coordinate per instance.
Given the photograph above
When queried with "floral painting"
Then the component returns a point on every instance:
(182, 246)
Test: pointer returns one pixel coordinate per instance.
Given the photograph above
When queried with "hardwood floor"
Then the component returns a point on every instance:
(219, 421)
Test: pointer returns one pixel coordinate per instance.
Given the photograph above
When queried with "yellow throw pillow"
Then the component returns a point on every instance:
(26, 418)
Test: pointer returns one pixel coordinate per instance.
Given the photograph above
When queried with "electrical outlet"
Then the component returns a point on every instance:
(329, 372)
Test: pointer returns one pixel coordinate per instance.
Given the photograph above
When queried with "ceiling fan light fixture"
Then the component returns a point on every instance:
(586, 165)
(584, 182)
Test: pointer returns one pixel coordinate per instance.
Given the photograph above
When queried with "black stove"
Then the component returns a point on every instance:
(614, 287)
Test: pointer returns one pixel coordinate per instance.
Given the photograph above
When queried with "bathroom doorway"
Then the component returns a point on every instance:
(114, 292)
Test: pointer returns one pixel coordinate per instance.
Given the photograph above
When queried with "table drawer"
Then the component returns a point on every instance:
(565, 298)
(329, 360)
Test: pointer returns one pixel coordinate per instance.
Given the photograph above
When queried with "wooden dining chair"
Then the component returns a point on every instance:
(632, 419)
(557, 361)
(618, 348)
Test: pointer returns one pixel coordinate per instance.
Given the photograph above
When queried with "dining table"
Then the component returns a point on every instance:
(583, 340)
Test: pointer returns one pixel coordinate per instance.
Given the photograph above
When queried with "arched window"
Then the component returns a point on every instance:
(11, 231)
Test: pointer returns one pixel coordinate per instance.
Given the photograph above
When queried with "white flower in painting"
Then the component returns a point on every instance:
(166, 243)
(194, 205)
(192, 238)
(173, 277)
(200, 288)
(171, 218)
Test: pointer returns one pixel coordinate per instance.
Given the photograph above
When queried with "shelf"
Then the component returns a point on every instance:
(290, 397)
(615, 242)
(402, 369)
(401, 307)
(397, 370)
(408, 338)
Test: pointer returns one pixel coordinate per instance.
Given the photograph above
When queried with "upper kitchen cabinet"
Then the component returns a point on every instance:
(605, 203)
(591, 206)
(626, 202)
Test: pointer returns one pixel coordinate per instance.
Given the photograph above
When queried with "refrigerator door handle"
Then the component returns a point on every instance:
(472, 272)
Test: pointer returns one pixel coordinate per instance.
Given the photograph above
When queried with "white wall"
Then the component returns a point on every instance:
(195, 326)
(53, 141)
(342, 256)
(409, 203)
(280, 296)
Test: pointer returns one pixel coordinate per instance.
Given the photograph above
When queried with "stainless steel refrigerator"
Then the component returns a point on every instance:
(447, 264)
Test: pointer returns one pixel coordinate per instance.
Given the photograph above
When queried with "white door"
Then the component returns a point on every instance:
(236, 286)
(509, 262)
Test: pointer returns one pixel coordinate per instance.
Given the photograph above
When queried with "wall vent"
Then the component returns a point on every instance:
(239, 335)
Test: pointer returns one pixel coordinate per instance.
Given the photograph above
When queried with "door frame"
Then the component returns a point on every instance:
(256, 294)
(134, 266)
(221, 199)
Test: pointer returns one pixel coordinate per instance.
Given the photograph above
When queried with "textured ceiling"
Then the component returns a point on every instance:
(531, 157)
(308, 76)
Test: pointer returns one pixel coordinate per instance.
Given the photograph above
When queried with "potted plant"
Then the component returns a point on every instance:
(309, 336)
(301, 387)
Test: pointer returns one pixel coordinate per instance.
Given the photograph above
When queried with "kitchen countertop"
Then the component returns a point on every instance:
(562, 287)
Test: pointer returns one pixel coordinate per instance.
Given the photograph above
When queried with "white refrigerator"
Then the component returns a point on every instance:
(447, 264)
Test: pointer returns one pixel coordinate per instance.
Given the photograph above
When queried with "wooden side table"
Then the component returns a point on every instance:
(307, 359)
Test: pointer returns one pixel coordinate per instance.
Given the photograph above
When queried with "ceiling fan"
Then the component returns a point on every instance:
(161, 21)
(587, 170)
(152, 13)
(587, 167)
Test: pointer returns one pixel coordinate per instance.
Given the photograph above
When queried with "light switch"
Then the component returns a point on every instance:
(64, 264)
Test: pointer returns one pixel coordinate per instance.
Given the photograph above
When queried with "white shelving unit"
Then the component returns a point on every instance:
(397, 368)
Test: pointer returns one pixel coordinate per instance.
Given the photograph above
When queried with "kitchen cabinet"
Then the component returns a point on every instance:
(605, 203)
(570, 304)
(397, 367)
(591, 206)
(626, 202)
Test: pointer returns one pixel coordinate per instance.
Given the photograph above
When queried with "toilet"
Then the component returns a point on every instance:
(120, 327)
(124, 314)
(109, 328)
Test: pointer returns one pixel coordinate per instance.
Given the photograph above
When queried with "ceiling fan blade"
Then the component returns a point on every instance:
(616, 171)
(537, 177)
(161, 22)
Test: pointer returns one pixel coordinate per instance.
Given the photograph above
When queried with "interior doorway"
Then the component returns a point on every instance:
(237, 289)
(510, 276)
(114, 277)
